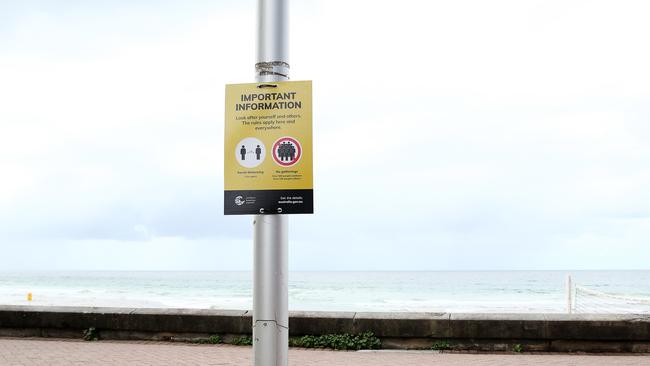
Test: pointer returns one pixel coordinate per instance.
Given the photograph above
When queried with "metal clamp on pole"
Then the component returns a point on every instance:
(270, 289)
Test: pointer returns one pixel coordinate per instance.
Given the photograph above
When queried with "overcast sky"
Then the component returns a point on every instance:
(477, 134)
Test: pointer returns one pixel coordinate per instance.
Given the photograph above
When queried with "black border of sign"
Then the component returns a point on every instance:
(275, 201)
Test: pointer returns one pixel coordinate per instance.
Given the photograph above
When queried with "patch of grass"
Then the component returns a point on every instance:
(90, 334)
(441, 345)
(345, 341)
(213, 339)
(518, 348)
(242, 341)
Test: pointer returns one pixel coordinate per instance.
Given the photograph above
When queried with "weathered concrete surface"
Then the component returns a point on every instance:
(596, 327)
(486, 332)
(304, 322)
(403, 325)
(127, 319)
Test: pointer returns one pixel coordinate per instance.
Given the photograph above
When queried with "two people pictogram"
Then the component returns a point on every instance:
(250, 152)
(258, 152)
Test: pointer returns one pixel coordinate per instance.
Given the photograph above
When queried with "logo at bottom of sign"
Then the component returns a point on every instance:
(240, 200)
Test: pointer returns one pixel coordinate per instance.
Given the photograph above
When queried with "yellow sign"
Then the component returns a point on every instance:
(268, 148)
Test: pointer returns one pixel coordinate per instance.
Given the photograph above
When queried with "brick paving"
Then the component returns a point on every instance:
(72, 352)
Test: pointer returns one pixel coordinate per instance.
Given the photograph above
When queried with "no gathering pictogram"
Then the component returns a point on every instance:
(286, 151)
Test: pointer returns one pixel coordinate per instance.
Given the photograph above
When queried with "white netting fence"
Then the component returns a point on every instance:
(591, 301)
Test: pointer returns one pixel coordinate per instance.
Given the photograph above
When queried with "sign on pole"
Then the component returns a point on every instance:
(268, 149)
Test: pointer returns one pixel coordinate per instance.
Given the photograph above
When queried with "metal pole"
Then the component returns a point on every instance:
(569, 302)
(270, 290)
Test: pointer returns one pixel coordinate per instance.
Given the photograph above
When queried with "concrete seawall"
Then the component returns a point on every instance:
(479, 332)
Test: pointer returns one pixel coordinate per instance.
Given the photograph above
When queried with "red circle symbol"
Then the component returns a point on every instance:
(286, 151)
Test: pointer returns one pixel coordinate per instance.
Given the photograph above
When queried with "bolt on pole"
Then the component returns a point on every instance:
(270, 273)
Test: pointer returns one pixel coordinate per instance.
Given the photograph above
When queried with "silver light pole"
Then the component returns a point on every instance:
(270, 290)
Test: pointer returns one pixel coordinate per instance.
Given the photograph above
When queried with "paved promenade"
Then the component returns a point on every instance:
(70, 352)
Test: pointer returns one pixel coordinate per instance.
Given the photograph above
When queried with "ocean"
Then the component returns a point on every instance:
(453, 291)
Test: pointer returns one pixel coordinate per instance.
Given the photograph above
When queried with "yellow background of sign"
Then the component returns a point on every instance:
(235, 131)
